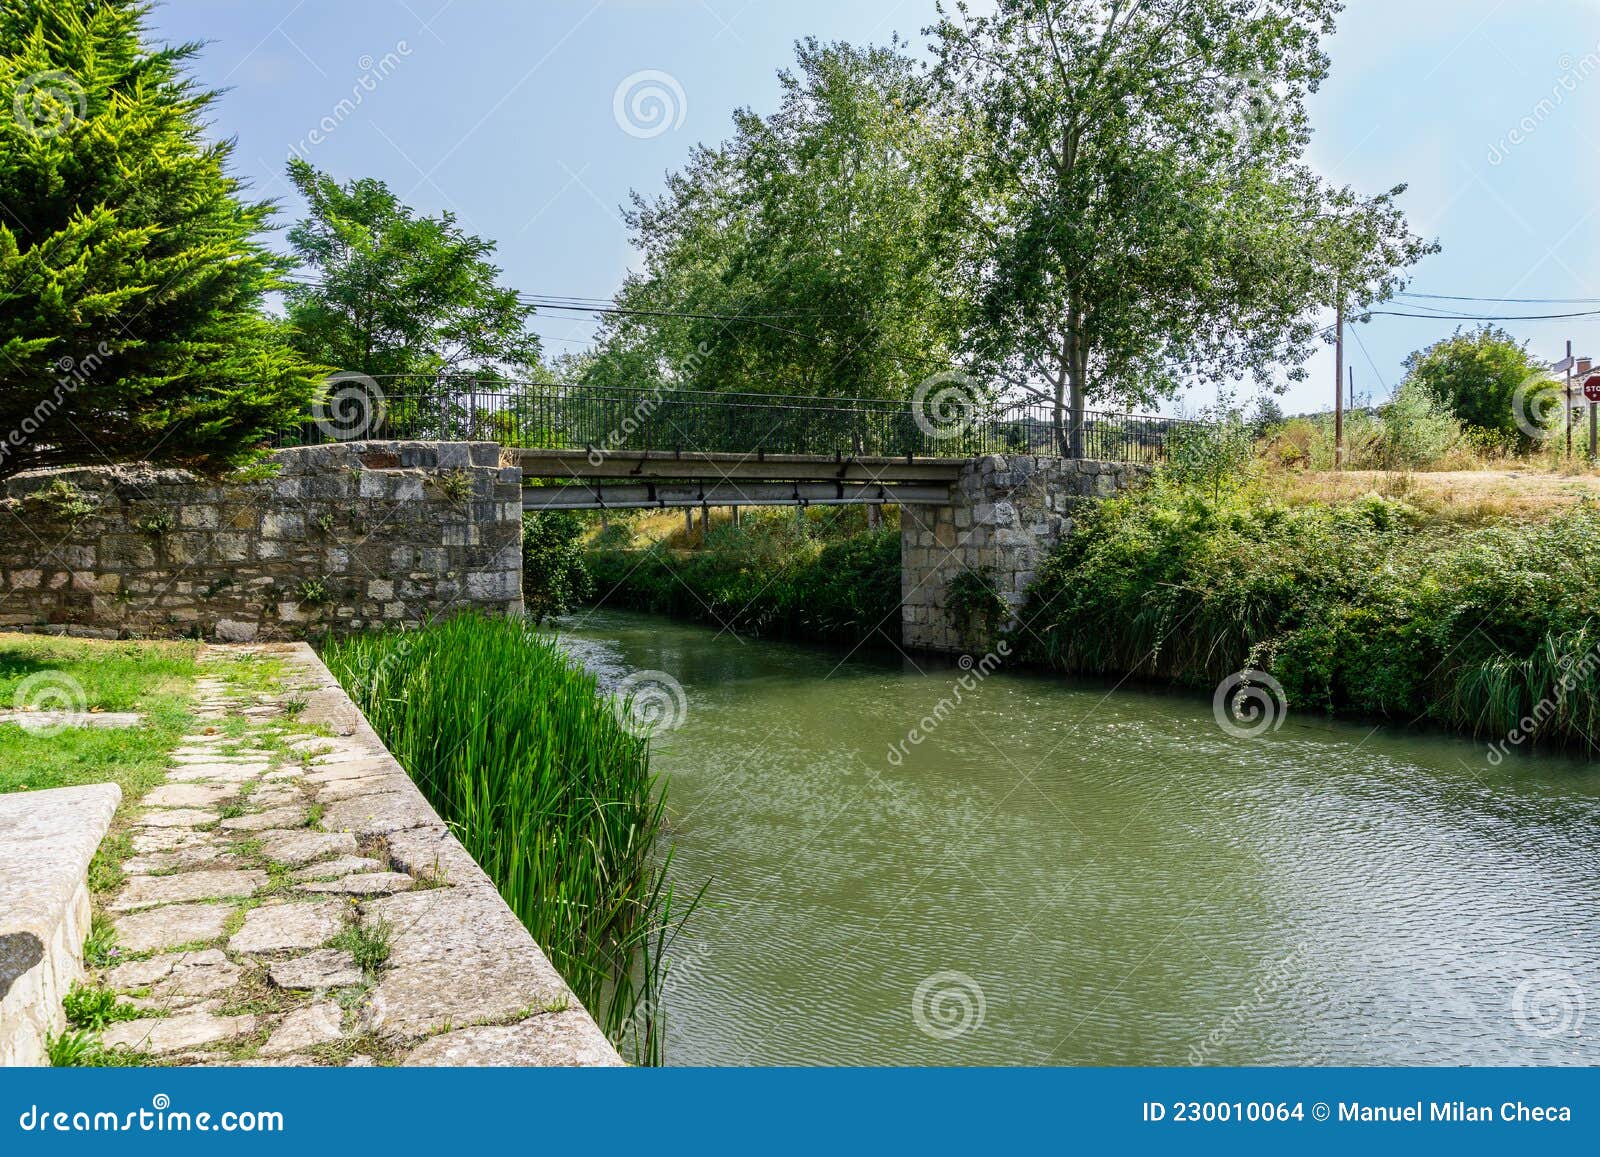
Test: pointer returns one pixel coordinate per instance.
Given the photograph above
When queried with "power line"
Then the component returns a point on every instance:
(1355, 332)
(1481, 317)
(1513, 300)
(608, 306)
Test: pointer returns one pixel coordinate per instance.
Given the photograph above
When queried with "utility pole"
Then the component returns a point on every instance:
(1566, 399)
(1338, 390)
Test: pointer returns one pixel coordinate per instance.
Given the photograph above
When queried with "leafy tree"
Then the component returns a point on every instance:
(1477, 375)
(131, 274)
(812, 244)
(400, 295)
(1213, 453)
(554, 576)
(1144, 208)
(1267, 416)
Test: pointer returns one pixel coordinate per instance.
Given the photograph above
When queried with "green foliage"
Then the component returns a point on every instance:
(1364, 607)
(1141, 198)
(100, 946)
(554, 576)
(1417, 429)
(94, 1008)
(1476, 374)
(763, 580)
(130, 322)
(75, 1048)
(314, 592)
(551, 795)
(398, 293)
(1213, 454)
(821, 230)
(973, 604)
(61, 501)
(369, 944)
(456, 485)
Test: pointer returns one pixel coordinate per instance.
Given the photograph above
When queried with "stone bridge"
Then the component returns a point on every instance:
(995, 515)
(415, 509)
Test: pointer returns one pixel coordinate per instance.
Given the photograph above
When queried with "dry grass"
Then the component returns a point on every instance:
(1468, 497)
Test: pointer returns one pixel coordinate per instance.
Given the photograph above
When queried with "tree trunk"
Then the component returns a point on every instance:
(1077, 415)
(1076, 355)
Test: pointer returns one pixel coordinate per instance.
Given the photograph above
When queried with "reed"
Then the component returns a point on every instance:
(1371, 607)
(520, 754)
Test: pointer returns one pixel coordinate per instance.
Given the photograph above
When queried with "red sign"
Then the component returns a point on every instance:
(1591, 388)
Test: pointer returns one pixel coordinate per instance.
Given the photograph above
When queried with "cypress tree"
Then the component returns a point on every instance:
(132, 274)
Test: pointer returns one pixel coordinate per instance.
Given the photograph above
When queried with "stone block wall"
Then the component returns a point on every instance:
(1005, 515)
(341, 537)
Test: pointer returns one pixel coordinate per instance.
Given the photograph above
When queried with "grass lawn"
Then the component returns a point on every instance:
(152, 678)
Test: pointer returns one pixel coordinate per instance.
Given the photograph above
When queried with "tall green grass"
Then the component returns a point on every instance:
(528, 764)
(1368, 608)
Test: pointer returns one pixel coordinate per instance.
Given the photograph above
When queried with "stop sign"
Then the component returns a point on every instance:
(1591, 388)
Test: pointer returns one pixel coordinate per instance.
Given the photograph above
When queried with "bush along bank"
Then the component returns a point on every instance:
(758, 583)
(1367, 608)
(531, 768)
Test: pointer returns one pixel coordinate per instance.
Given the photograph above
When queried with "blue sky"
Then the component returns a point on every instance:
(504, 113)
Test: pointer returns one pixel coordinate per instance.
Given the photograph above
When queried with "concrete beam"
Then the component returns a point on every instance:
(644, 465)
(651, 495)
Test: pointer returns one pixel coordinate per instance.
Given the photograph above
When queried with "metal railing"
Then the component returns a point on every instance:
(610, 419)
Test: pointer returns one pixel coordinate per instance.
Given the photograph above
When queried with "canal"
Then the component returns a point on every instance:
(1063, 873)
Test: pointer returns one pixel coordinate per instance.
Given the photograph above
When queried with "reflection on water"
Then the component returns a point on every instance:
(1063, 875)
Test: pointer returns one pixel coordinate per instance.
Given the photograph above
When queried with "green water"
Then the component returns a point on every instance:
(1066, 874)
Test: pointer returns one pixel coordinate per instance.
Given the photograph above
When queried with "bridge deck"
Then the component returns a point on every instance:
(644, 465)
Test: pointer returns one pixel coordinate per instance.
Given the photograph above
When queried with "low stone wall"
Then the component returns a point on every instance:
(47, 839)
(1005, 515)
(340, 537)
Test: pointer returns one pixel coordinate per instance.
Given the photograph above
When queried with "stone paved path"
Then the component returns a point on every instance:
(292, 899)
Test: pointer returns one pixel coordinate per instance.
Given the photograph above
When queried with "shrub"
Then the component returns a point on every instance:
(1417, 430)
(974, 605)
(554, 576)
(94, 1008)
(1365, 607)
(1213, 454)
(1476, 374)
